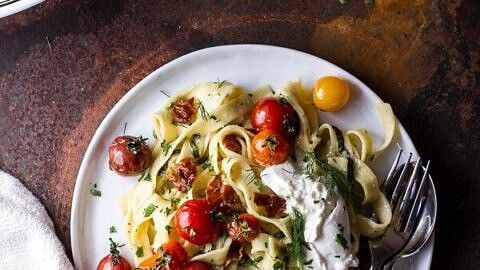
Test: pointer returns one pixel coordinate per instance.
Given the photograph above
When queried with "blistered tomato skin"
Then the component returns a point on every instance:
(193, 222)
(276, 114)
(244, 228)
(331, 94)
(129, 155)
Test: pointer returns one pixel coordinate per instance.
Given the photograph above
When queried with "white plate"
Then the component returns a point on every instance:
(17, 6)
(246, 65)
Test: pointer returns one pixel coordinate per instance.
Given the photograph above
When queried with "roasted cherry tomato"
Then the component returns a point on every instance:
(277, 114)
(197, 265)
(182, 174)
(113, 261)
(331, 93)
(223, 198)
(231, 143)
(273, 204)
(193, 222)
(269, 148)
(183, 110)
(244, 228)
(129, 155)
(172, 254)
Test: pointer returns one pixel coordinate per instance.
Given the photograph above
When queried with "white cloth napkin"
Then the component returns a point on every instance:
(27, 236)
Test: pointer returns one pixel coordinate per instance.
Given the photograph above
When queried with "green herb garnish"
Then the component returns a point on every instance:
(193, 145)
(165, 147)
(168, 228)
(203, 112)
(339, 180)
(149, 210)
(112, 229)
(339, 237)
(139, 252)
(298, 245)
(95, 192)
(207, 165)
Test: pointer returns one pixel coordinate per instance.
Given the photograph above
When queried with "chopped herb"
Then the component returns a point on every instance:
(283, 100)
(219, 84)
(148, 178)
(339, 237)
(271, 142)
(95, 192)
(337, 256)
(163, 92)
(193, 145)
(141, 176)
(168, 211)
(125, 127)
(139, 252)
(247, 261)
(218, 217)
(112, 229)
(289, 124)
(149, 210)
(372, 157)
(168, 228)
(165, 147)
(154, 134)
(298, 245)
(316, 201)
(207, 165)
(278, 266)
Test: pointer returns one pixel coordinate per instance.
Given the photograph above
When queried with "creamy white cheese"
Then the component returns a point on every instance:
(324, 212)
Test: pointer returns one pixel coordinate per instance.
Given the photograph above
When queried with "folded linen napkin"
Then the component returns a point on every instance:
(27, 236)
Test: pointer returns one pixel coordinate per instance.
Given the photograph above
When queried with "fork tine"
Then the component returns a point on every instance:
(419, 200)
(396, 191)
(391, 173)
(401, 207)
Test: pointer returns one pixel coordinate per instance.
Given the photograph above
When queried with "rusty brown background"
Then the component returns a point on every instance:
(64, 64)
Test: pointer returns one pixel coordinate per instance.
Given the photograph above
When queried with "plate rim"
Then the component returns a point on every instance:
(80, 182)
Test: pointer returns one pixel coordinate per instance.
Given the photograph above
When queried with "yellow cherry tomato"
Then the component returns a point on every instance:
(331, 93)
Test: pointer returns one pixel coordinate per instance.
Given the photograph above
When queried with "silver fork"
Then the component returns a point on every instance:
(406, 201)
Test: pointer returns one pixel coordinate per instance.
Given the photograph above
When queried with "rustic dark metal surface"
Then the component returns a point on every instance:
(64, 64)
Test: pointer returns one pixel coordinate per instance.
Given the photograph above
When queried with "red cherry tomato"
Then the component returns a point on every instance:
(244, 228)
(113, 261)
(193, 222)
(197, 265)
(128, 155)
(269, 148)
(276, 114)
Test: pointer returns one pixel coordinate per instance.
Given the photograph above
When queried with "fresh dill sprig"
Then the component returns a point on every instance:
(253, 178)
(310, 161)
(203, 112)
(339, 237)
(338, 179)
(298, 245)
